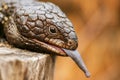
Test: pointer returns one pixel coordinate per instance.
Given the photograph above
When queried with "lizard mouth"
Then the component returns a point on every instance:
(56, 46)
(52, 48)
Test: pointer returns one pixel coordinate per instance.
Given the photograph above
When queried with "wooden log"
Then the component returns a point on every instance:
(18, 64)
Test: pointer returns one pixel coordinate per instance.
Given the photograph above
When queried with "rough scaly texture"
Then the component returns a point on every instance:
(39, 26)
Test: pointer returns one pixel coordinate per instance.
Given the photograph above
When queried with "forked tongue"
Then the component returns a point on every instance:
(78, 60)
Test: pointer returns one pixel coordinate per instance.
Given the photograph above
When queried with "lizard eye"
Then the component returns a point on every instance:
(52, 29)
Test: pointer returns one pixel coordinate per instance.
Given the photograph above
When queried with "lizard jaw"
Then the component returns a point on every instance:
(55, 49)
(69, 44)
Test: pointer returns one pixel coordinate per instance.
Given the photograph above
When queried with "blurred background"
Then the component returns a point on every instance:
(97, 24)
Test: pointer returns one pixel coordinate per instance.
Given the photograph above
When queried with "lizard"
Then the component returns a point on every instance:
(41, 27)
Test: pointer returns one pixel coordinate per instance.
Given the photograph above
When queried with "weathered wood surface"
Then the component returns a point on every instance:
(18, 64)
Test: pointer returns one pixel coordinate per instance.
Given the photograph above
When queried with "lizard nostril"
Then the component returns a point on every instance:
(72, 44)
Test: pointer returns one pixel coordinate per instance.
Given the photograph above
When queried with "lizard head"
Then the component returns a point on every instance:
(47, 24)
(45, 27)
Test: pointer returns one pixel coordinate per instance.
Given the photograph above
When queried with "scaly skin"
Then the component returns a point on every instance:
(38, 26)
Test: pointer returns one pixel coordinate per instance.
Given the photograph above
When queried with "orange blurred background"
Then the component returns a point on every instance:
(97, 24)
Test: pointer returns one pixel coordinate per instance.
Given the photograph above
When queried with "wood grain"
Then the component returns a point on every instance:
(18, 64)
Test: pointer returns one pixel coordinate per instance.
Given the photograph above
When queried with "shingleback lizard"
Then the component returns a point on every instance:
(40, 26)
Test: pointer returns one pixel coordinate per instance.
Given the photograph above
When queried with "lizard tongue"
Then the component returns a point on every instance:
(78, 60)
